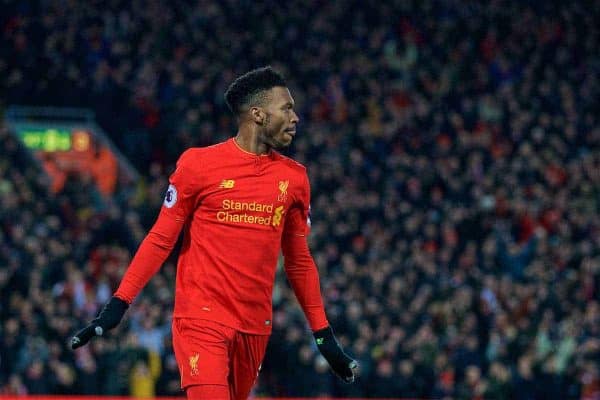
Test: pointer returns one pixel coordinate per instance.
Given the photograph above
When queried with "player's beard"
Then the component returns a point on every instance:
(274, 136)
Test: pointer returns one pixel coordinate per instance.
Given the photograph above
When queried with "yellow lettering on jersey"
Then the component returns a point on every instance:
(246, 206)
(233, 211)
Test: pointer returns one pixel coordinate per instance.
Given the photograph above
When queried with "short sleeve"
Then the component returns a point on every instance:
(180, 198)
(298, 219)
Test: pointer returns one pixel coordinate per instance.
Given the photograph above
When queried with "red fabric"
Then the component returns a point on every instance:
(209, 353)
(153, 251)
(234, 208)
(208, 392)
(304, 278)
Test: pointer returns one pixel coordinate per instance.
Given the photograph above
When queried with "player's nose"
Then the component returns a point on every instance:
(295, 119)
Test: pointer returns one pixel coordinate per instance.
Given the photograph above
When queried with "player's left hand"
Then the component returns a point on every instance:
(343, 365)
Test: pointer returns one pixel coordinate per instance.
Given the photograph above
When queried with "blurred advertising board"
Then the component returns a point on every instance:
(68, 142)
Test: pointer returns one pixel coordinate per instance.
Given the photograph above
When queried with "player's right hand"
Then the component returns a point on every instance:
(109, 317)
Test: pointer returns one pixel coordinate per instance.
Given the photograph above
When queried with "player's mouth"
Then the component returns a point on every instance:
(291, 131)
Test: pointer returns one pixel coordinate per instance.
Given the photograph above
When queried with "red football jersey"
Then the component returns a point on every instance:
(237, 209)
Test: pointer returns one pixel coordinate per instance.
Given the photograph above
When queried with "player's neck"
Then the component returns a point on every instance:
(250, 142)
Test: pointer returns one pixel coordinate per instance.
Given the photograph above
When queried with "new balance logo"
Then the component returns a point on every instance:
(227, 184)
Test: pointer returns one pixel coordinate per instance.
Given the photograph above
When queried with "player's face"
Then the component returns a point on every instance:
(281, 120)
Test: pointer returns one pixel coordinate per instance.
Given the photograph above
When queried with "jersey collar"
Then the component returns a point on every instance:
(246, 154)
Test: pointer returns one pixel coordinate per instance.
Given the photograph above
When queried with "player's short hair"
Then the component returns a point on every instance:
(249, 89)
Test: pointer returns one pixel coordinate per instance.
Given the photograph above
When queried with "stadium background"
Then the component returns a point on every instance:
(453, 150)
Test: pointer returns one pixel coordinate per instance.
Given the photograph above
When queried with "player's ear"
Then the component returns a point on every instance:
(258, 115)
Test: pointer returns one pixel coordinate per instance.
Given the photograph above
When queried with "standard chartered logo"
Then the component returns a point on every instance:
(277, 216)
(260, 213)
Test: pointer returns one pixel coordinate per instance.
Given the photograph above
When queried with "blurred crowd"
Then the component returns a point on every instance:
(453, 149)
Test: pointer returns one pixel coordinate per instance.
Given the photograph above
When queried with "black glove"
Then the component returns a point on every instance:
(109, 317)
(340, 362)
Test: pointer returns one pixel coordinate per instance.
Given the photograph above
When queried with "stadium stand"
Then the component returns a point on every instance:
(454, 152)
